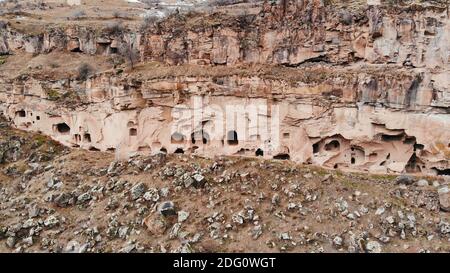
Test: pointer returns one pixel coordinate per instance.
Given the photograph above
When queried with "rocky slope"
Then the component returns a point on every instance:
(56, 199)
(171, 126)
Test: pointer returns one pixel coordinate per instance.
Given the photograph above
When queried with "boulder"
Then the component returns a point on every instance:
(444, 199)
(405, 180)
(167, 209)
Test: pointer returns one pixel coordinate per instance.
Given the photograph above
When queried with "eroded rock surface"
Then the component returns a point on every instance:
(363, 87)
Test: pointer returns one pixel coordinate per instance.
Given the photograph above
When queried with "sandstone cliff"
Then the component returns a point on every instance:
(354, 86)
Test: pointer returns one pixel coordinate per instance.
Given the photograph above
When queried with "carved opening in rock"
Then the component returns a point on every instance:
(332, 146)
(130, 124)
(282, 157)
(243, 151)
(179, 151)
(232, 138)
(76, 49)
(200, 135)
(259, 152)
(38, 118)
(410, 140)
(391, 137)
(77, 137)
(442, 172)
(133, 132)
(92, 148)
(163, 150)
(286, 135)
(31, 114)
(335, 166)
(357, 155)
(418, 147)
(315, 148)
(113, 50)
(21, 113)
(63, 128)
(177, 138)
(87, 137)
(413, 164)
(205, 138)
(102, 48)
(145, 149)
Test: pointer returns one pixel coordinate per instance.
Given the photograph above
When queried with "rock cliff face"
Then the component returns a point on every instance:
(363, 88)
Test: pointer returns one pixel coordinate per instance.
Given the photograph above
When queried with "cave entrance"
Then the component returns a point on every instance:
(232, 138)
(443, 172)
(102, 48)
(133, 132)
(413, 164)
(63, 128)
(21, 113)
(282, 157)
(177, 138)
(87, 137)
(200, 135)
(357, 155)
(390, 138)
(76, 49)
(179, 151)
(315, 148)
(113, 50)
(259, 152)
(332, 146)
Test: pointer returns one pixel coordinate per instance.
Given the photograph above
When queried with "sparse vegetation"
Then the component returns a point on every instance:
(53, 94)
(84, 71)
(129, 51)
(3, 59)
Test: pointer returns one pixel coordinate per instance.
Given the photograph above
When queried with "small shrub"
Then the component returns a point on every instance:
(84, 71)
(53, 94)
(2, 59)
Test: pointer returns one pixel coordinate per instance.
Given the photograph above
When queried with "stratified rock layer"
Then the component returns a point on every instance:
(365, 89)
